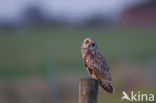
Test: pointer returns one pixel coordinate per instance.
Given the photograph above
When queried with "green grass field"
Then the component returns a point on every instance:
(26, 52)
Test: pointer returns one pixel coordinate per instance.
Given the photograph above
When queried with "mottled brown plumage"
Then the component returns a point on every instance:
(96, 64)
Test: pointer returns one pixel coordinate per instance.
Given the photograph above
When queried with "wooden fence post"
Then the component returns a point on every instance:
(88, 90)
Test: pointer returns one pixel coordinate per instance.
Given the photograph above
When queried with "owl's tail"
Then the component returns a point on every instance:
(106, 85)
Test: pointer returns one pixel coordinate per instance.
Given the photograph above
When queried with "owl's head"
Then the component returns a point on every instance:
(89, 44)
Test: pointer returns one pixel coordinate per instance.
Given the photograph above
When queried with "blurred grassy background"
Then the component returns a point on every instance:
(24, 55)
(40, 48)
(26, 52)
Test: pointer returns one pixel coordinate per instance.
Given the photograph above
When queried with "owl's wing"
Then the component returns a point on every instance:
(97, 64)
(102, 73)
(101, 67)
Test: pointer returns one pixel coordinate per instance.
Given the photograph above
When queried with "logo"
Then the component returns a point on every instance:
(134, 97)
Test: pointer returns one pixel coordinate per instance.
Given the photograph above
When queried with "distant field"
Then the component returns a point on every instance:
(26, 52)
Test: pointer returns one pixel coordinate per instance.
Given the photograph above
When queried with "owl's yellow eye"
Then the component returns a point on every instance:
(87, 41)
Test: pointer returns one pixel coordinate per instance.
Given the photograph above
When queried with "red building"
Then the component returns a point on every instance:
(140, 15)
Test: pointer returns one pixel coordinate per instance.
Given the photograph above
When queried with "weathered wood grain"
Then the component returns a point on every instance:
(88, 90)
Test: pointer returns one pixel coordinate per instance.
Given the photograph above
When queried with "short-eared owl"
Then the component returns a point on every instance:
(96, 64)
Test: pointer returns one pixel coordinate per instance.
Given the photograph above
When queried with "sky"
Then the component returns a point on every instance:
(12, 10)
